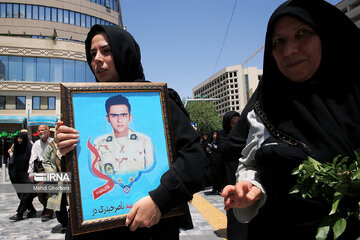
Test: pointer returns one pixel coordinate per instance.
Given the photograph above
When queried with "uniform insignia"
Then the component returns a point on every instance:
(109, 169)
(133, 137)
(109, 139)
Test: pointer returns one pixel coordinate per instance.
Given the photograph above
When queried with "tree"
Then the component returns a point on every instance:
(204, 115)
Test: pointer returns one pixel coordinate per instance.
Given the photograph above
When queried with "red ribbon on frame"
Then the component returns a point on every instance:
(110, 184)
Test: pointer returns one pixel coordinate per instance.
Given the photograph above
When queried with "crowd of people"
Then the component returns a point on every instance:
(307, 104)
(26, 159)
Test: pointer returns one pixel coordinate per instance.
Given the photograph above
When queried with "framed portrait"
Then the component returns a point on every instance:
(125, 147)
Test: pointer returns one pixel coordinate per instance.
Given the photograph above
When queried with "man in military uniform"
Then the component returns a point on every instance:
(123, 150)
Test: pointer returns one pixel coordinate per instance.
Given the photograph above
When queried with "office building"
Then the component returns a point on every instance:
(352, 9)
(232, 87)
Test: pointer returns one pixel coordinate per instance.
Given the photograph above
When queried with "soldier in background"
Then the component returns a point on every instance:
(123, 150)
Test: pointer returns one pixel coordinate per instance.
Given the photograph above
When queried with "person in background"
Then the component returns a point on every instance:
(205, 141)
(215, 164)
(53, 163)
(308, 104)
(35, 165)
(52, 132)
(114, 56)
(19, 175)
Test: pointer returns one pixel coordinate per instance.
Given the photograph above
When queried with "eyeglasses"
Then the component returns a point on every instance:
(117, 116)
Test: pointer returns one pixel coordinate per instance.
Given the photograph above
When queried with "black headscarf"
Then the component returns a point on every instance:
(322, 115)
(227, 120)
(22, 153)
(125, 50)
(127, 57)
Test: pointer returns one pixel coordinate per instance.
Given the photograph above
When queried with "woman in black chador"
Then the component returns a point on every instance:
(19, 174)
(114, 56)
(307, 104)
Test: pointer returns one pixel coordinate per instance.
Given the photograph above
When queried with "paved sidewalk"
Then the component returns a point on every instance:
(33, 228)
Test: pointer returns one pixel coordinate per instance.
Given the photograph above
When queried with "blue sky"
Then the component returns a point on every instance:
(180, 41)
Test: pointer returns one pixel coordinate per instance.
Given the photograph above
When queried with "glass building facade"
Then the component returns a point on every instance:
(36, 69)
(38, 12)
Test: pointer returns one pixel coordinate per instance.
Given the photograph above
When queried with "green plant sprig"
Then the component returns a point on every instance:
(338, 183)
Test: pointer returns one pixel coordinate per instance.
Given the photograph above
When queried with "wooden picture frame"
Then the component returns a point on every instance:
(106, 181)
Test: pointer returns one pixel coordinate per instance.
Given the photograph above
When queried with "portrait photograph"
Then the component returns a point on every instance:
(124, 147)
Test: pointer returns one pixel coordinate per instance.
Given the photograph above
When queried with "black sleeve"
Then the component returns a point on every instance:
(236, 141)
(185, 177)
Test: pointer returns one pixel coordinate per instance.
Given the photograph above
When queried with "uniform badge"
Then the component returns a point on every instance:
(133, 137)
(109, 169)
(109, 139)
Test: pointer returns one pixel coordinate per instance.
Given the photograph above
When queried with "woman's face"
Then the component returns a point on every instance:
(19, 140)
(296, 49)
(233, 121)
(102, 61)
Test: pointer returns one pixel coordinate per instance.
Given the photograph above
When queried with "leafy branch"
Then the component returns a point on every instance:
(338, 183)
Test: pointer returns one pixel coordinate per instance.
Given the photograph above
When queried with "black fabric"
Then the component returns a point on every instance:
(125, 50)
(319, 117)
(232, 148)
(185, 177)
(218, 165)
(21, 155)
(323, 112)
(236, 141)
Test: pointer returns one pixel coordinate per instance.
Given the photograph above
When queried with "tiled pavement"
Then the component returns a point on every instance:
(204, 228)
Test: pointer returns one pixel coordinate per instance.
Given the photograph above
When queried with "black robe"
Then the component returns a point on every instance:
(319, 118)
(185, 177)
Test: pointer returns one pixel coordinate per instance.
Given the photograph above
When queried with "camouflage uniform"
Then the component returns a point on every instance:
(124, 154)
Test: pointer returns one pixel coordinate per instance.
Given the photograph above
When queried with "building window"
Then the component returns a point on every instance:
(9, 12)
(41, 13)
(47, 13)
(2, 10)
(35, 12)
(16, 10)
(4, 67)
(60, 15)
(83, 20)
(72, 17)
(51, 103)
(22, 10)
(66, 16)
(54, 14)
(15, 68)
(29, 69)
(20, 102)
(43, 103)
(28, 11)
(77, 19)
(247, 86)
(2, 102)
(36, 103)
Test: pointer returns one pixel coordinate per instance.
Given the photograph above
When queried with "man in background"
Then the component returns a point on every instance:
(35, 165)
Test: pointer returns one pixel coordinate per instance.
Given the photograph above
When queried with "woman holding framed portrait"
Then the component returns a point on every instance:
(114, 56)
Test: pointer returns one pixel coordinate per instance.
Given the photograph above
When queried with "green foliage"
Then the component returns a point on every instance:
(204, 115)
(338, 182)
(54, 35)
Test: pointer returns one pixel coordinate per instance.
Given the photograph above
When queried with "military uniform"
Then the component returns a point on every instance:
(133, 152)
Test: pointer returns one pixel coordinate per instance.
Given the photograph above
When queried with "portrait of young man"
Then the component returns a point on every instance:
(122, 150)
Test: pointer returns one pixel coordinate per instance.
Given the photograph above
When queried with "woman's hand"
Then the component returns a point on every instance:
(66, 138)
(242, 195)
(145, 213)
